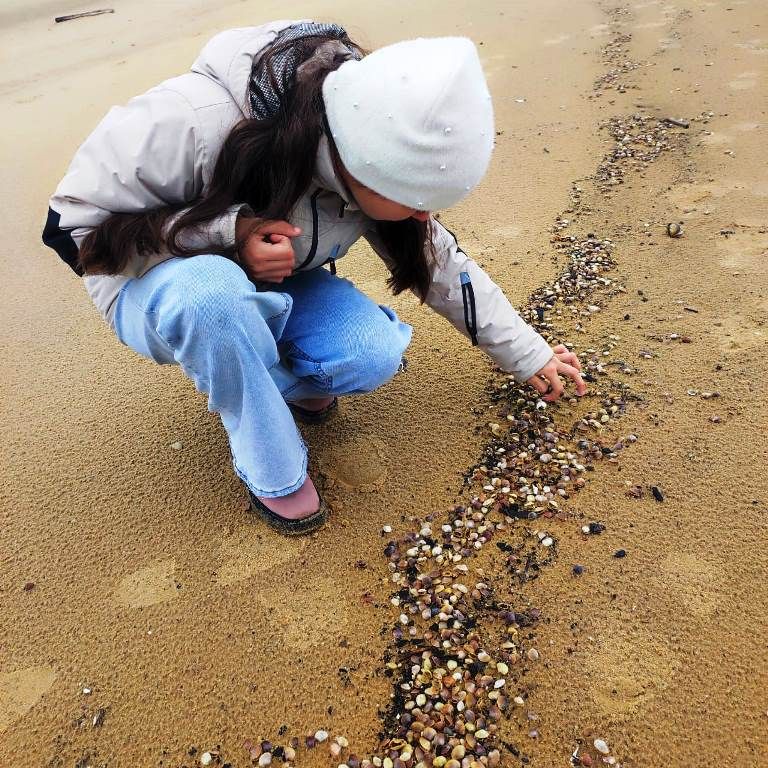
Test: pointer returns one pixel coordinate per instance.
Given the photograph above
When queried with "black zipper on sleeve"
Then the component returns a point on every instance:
(470, 312)
(313, 247)
(332, 258)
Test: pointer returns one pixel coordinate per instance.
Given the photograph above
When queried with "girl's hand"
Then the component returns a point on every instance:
(266, 252)
(547, 380)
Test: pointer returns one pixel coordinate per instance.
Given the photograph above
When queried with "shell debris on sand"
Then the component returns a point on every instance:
(459, 650)
(453, 680)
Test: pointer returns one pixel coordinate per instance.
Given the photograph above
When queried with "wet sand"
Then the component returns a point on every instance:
(194, 626)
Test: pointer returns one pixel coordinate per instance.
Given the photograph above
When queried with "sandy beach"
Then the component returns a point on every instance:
(149, 618)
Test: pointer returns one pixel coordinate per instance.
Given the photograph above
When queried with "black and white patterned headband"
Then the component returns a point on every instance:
(267, 90)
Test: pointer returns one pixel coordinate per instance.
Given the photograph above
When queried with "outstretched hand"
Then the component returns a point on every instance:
(547, 381)
(266, 252)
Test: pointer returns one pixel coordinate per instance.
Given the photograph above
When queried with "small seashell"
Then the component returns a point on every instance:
(289, 753)
(265, 759)
(177, 446)
(321, 736)
(533, 654)
(675, 230)
(601, 747)
(206, 758)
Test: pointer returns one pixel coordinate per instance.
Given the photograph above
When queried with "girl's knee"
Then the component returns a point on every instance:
(204, 280)
(380, 354)
(210, 295)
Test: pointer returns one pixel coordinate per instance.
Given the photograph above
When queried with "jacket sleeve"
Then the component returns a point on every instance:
(141, 156)
(465, 296)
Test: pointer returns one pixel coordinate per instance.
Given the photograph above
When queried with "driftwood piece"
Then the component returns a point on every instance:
(675, 121)
(59, 19)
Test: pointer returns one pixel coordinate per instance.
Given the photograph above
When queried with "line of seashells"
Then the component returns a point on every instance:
(459, 651)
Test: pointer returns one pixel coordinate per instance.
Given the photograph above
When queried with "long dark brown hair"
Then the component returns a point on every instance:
(269, 164)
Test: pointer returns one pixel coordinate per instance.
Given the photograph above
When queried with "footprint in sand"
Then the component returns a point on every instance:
(627, 673)
(21, 690)
(689, 195)
(737, 332)
(668, 44)
(312, 617)
(252, 549)
(147, 586)
(756, 46)
(745, 252)
(356, 464)
(600, 29)
(693, 581)
(507, 232)
(715, 139)
(557, 40)
(652, 24)
(744, 82)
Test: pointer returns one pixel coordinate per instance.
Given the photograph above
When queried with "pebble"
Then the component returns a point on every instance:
(578, 570)
(533, 654)
(620, 553)
(594, 528)
(177, 446)
(547, 541)
(206, 758)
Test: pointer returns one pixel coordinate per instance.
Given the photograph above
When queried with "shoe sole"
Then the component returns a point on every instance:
(287, 527)
(314, 417)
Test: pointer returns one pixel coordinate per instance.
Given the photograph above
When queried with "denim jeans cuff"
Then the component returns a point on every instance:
(282, 492)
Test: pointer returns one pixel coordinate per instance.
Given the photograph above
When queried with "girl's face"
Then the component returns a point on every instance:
(374, 205)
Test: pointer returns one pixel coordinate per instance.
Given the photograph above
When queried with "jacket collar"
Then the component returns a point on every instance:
(327, 178)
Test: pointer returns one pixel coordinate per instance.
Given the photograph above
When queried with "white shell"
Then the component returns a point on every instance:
(601, 747)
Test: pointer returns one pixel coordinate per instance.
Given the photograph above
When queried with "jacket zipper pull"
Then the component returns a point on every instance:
(334, 253)
(470, 313)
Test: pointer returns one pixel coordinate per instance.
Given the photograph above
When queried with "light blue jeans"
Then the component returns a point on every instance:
(252, 348)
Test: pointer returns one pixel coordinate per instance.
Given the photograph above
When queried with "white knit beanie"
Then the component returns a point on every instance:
(413, 121)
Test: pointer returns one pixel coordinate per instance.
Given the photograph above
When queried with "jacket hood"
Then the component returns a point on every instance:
(228, 57)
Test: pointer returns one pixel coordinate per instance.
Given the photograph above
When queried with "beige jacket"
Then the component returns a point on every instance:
(161, 149)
